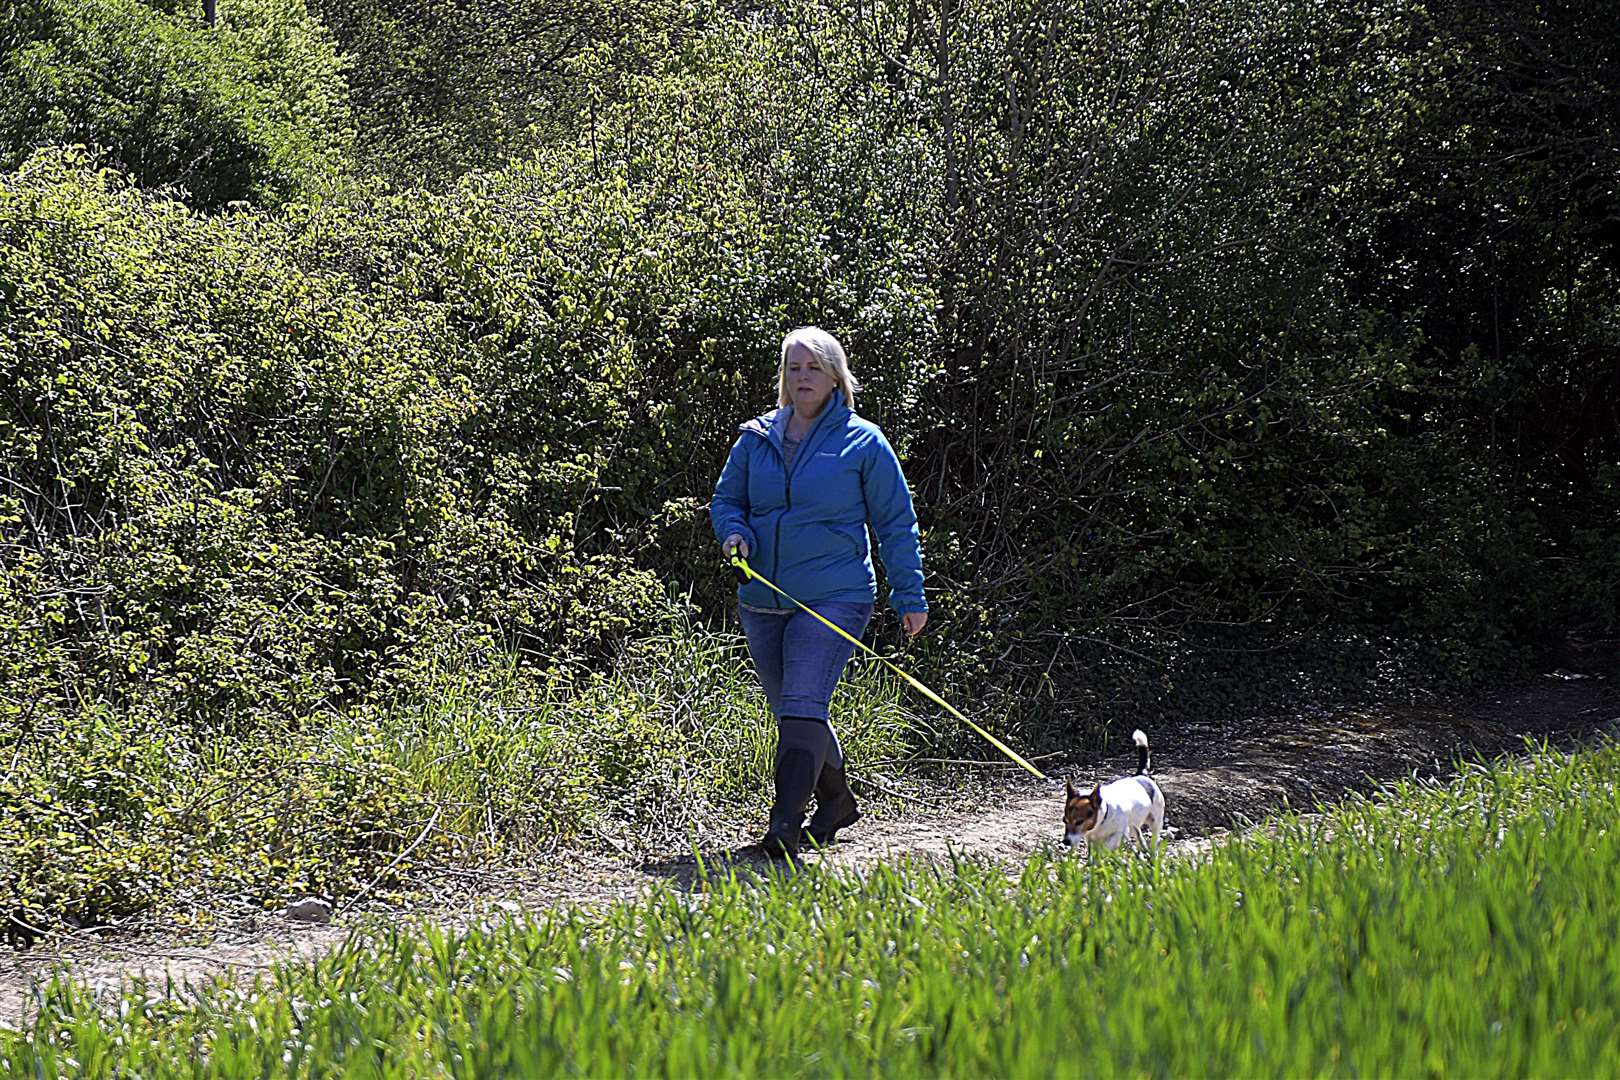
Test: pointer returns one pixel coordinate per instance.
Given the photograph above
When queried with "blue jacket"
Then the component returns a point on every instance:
(807, 531)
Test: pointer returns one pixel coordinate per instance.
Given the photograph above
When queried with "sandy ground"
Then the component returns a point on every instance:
(1215, 781)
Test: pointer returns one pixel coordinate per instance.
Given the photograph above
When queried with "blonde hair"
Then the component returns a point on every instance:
(825, 348)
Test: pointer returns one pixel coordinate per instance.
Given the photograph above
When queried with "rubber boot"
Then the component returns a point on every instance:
(835, 805)
(795, 779)
(801, 750)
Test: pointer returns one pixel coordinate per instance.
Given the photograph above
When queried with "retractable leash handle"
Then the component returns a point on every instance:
(737, 566)
(747, 572)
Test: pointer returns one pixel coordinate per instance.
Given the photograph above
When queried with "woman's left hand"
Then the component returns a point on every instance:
(914, 621)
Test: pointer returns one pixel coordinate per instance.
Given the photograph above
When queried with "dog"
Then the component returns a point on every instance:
(1112, 813)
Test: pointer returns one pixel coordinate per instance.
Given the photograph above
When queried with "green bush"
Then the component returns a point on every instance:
(261, 473)
(114, 813)
(254, 108)
(442, 88)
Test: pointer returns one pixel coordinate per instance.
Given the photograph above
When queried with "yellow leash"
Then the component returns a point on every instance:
(742, 564)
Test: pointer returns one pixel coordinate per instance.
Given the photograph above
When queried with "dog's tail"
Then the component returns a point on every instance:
(1141, 752)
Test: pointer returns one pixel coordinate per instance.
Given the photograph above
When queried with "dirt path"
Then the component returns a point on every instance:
(1214, 779)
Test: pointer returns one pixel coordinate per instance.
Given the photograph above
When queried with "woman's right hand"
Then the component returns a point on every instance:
(735, 545)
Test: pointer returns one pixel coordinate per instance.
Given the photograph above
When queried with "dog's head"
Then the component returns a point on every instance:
(1081, 809)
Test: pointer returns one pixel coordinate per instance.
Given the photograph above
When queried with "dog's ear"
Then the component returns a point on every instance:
(1096, 794)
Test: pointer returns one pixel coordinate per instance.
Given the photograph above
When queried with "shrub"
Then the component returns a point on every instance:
(253, 109)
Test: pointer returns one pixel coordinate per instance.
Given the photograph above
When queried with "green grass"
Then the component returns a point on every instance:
(1465, 930)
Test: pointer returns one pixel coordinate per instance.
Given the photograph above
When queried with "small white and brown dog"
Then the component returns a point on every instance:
(1112, 813)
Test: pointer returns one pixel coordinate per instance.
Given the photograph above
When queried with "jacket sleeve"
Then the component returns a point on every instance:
(728, 510)
(894, 520)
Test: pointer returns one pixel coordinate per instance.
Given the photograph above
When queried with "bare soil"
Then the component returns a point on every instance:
(1215, 778)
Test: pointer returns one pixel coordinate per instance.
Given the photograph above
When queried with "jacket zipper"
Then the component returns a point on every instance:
(776, 549)
(787, 493)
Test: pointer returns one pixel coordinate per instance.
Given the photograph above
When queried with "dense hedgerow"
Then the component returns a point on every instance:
(442, 88)
(253, 108)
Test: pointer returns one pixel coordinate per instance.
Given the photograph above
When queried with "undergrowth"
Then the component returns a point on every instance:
(116, 814)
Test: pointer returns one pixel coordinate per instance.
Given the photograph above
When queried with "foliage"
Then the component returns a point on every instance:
(259, 480)
(117, 812)
(1464, 927)
(445, 88)
(254, 108)
(113, 814)
(1498, 216)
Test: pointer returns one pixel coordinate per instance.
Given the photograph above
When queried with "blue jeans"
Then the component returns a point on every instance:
(799, 660)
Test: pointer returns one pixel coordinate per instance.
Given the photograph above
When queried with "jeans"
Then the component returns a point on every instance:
(799, 660)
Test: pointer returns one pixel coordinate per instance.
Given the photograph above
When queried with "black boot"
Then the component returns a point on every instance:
(835, 806)
(795, 779)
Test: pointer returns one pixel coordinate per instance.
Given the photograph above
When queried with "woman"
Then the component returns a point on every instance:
(795, 496)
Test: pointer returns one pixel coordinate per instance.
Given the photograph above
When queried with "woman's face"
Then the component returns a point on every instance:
(809, 384)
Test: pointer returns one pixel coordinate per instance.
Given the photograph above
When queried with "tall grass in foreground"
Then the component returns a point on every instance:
(1466, 930)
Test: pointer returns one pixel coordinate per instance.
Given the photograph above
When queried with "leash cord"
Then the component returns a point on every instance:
(742, 564)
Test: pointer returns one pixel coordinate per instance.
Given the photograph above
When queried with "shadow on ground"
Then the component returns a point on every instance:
(747, 862)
